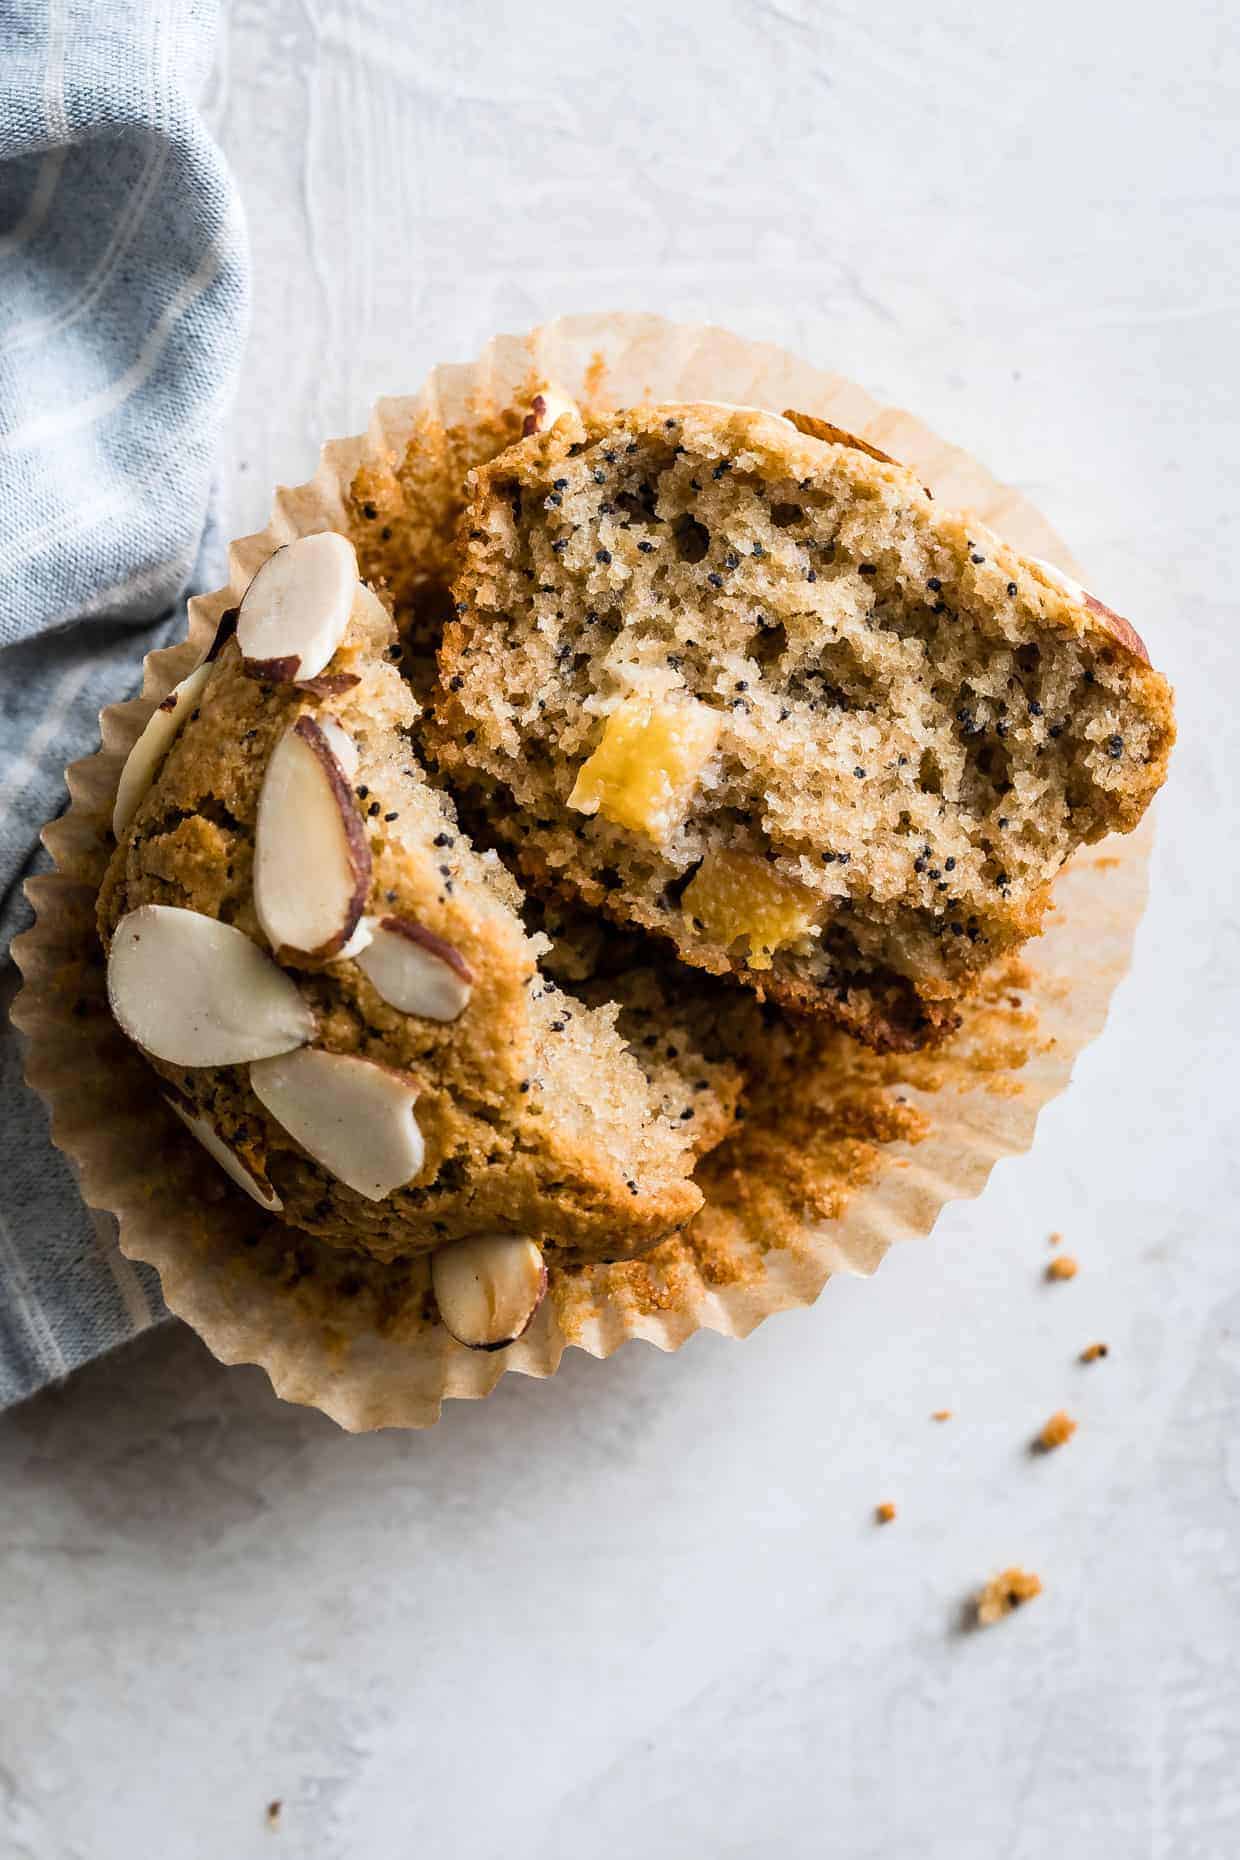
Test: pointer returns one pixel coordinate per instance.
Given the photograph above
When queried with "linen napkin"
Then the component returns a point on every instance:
(123, 304)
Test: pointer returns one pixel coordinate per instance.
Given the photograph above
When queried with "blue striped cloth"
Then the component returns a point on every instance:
(123, 298)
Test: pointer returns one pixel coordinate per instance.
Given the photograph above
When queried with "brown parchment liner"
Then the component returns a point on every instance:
(833, 1164)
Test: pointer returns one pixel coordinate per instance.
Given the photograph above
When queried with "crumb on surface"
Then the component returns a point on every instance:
(941, 1414)
(1055, 1432)
(1054, 1239)
(273, 1813)
(884, 1513)
(1093, 1351)
(1062, 1267)
(1004, 1592)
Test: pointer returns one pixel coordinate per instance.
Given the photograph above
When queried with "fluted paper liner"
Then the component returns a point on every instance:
(834, 1162)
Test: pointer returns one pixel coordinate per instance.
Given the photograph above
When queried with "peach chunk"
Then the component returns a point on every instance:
(735, 894)
(646, 765)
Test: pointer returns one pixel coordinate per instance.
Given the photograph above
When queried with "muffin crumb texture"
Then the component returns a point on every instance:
(750, 690)
(1009, 1590)
(1055, 1432)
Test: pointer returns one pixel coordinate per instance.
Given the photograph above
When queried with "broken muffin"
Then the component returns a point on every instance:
(736, 680)
(336, 986)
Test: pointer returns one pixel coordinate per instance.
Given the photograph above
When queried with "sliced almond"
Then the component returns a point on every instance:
(415, 971)
(311, 856)
(224, 631)
(256, 1186)
(545, 410)
(341, 745)
(488, 1288)
(1058, 579)
(351, 1115)
(359, 941)
(367, 605)
(143, 761)
(295, 611)
(1120, 629)
(834, 435)
(195, 992)
(328, 684)
(367, 608)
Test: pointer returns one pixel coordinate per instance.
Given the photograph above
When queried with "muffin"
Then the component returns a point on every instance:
(336, 986)
(737, 681)
(833, 1152)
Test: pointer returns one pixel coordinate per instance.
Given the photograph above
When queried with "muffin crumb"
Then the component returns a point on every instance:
(884, 1513)
(1055, 1432)
(1063, 1266)
(1005, 1592)
(1093, 1351)
(941, 1414)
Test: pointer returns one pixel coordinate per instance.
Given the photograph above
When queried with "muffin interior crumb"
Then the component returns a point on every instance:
(682, 640)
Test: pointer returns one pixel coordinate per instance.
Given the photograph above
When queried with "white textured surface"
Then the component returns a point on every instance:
(642, 1609)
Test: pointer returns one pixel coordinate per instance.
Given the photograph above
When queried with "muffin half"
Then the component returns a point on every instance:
(337, 988)
(737, 680)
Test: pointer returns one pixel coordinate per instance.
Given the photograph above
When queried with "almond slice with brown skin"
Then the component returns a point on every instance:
(351, 1115)
(1056, 576)
(311, 855)
(414, 970)
(256, 1186)
(815, 428)
(488, 1288)
(225, 629)
(195, 992)
(328, 684)
(1120, 629)
(143, 761)
(294, 613)
(341, 745)
(357, 942)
